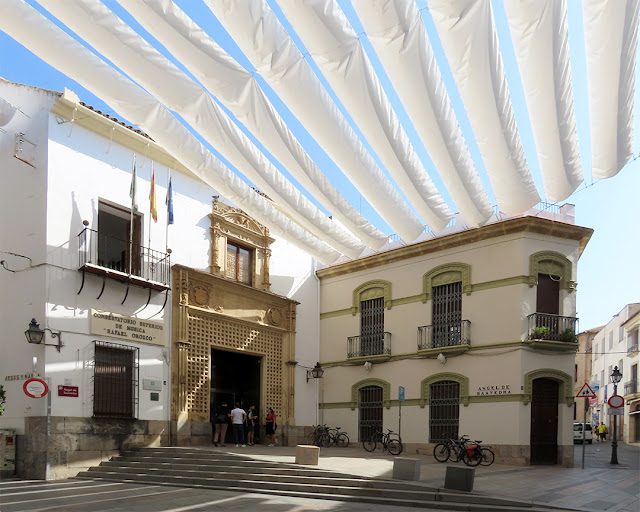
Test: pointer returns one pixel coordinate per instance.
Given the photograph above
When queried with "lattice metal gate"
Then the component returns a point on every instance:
(370, 411)
(444, 410)
(372, 327)
(447, 314)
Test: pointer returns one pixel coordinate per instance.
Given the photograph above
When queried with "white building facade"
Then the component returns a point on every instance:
(70, 263)
(616, 345)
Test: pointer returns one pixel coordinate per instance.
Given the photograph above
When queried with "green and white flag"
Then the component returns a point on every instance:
(133, 191)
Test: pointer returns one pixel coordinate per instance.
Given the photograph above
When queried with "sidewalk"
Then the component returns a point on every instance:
(599, 487)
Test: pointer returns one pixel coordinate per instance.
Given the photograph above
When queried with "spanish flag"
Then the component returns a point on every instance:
(152, 197)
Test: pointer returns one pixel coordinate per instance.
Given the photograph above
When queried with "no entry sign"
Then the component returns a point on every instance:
(35, 388)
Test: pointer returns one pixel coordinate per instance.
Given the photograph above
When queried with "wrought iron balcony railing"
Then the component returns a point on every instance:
(97, 250)
(543, 326)
(632, 348)
(369, 345)
(444, 335)
(630, 387)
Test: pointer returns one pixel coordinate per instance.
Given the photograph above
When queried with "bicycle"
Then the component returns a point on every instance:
(319, 437)
(471, 452)
(336, 437)
(390, 442)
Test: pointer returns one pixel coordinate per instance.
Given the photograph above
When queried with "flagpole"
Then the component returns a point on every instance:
(151, 202)
(166, 234)
(133, 196)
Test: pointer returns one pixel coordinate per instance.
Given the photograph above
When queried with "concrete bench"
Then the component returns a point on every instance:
(406, 469)
(459, 478)
(307, 454)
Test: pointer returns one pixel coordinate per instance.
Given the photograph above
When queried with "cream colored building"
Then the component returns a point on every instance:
(629, 386)
(583, 372)
(478, 327)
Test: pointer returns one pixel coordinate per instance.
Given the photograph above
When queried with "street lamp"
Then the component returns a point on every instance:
(316, 372)
(36, 335)
(616, 377)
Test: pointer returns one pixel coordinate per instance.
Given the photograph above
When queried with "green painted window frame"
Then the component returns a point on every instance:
(445, 274)
(386, 391)
(371, 290)
(565, 381)
(552, 263)
(463, 380)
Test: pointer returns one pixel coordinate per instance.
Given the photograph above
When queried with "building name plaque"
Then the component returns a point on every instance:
(504, 389)
(127, 327)
(22, 376)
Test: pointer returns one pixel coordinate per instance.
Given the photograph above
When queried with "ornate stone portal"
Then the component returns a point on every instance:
(211, 311)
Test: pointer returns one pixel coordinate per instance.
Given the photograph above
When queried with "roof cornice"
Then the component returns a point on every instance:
(507, 227)
(69, 108)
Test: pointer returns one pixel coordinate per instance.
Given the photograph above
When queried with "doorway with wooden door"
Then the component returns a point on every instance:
(544, 422)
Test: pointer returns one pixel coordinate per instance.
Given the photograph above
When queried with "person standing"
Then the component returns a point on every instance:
(252, 417)
(601, 432)
(221, 422)
(238, 417)
(271, 426)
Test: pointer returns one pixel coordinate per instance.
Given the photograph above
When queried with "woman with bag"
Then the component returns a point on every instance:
(252, 416)
(271, 426)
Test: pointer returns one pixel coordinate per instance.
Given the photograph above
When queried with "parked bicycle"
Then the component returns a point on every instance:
(472, 453)
(328, 436)
(390, 442)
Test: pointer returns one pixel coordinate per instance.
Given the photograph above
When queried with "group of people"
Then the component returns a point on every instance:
(601, 431)
(241, 419)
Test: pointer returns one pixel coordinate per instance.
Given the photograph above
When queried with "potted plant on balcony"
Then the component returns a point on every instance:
(539, 333)
(568, 335)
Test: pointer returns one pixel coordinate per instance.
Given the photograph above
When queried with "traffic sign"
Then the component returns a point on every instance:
(401, 393)
(586, 392)
(616, 401)
(35, 388)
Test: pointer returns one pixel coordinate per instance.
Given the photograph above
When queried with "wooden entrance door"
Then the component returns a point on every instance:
(544, 422)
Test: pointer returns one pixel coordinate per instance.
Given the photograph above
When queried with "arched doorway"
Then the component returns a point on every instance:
(444, 410)
(369, 411)
(544, 421)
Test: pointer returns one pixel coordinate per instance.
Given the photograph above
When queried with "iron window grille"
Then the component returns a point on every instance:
(116, 374)
(444, 411)
(369, 411)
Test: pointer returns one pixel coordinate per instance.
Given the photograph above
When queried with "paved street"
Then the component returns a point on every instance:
(599, 487)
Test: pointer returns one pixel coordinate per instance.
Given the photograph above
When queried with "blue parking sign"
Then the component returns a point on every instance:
(401, 393)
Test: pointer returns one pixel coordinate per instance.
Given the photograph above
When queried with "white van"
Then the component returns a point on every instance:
(577, 433)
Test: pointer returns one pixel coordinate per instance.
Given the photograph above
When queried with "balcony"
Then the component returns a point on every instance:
(444, 335)
(632, 349)
(108, 256)
(631, 387)
(543, 326)
(369, 345)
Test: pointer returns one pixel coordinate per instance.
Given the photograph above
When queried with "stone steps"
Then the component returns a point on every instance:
(189, 467)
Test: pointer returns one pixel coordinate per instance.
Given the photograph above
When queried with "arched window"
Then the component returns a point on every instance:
(444, 410)
(370, 407)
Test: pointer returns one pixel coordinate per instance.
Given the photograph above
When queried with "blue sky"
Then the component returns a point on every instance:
(608, 272)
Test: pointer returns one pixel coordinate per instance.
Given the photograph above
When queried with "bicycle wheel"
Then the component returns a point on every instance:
(441, 452)
(474, 459)
(487, 457)
(325, 440)
(342, 440)
(311, 438)
(369, 444)
(394, 447)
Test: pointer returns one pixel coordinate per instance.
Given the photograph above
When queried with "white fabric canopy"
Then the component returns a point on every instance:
(611, 40)
(336, 49)
(541, 40)
(7, 111)
(396, 31)
(360, 108)
(238, 90)
(264, 41)
(470, 40)
(114, 39)
(53, 45)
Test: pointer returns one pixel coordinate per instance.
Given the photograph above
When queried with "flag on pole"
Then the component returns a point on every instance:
(133, 191)
(152, 197)
(169, 203)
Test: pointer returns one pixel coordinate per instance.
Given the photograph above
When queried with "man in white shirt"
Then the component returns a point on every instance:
(238, 417)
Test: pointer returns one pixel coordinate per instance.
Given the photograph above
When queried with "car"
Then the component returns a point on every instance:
(577, 433)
